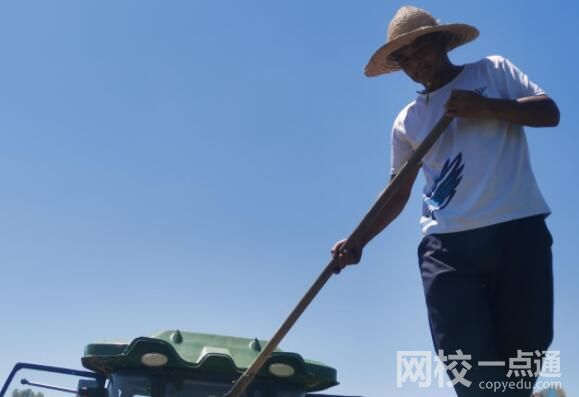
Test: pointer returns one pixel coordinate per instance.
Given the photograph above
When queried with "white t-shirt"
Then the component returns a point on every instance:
(478, 173)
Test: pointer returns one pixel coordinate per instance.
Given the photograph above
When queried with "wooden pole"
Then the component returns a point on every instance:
(239, 387)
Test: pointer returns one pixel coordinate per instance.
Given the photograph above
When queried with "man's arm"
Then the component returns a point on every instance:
(350, 252)
(532, 111)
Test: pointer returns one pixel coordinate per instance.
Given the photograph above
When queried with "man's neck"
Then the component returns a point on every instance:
(447, 73)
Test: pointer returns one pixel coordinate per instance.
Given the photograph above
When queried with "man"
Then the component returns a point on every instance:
(485, 258)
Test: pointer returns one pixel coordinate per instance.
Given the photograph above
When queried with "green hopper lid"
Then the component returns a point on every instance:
(204, 353)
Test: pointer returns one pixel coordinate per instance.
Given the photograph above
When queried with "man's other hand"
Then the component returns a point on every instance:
(347, 253)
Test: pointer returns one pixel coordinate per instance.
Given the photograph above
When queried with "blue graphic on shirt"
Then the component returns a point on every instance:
(444, 187)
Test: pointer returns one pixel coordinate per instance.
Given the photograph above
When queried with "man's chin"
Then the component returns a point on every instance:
(422, 82)
(422, 78)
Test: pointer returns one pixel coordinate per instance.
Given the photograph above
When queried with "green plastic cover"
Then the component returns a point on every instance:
(206, 354)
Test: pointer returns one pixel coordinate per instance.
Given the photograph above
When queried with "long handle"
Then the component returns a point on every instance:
(383, 200)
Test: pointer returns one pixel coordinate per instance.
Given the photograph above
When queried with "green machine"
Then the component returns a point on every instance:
(173, 364)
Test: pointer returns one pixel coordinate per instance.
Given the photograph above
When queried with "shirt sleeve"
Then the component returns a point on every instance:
(514, 82)
(400, 147)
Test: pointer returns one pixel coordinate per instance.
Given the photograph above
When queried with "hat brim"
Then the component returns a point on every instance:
(380, 62)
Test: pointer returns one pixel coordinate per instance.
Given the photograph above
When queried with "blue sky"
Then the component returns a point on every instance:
(188, 164)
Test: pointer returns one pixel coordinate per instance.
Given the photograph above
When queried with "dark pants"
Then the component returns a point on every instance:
(489, 294)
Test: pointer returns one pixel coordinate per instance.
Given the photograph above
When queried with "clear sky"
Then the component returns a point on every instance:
(188, 164)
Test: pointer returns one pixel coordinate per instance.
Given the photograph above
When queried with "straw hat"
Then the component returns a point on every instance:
(408, 24)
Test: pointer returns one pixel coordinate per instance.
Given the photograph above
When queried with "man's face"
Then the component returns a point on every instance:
(422, 59)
